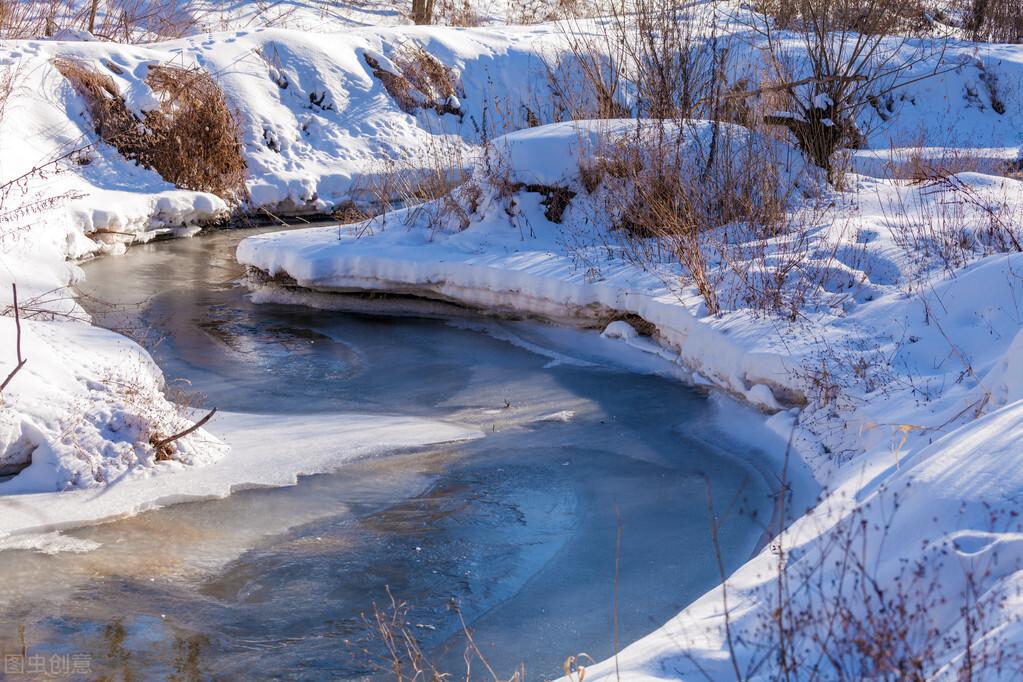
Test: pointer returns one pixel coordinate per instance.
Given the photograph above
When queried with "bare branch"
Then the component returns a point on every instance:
(17, 324)
(159, 445)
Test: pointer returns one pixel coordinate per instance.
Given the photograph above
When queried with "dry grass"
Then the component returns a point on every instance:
(909, 16)
(128, 21)
(919, 164)
(192, 140)
(940, 221)
(837, 616)
(458, 13)
(196, 139)
(719, 208)
(403, 658)
(420, 81)
(433, 185)
(584, 83)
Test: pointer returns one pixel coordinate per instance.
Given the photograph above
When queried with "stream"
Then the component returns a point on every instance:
(586, 464)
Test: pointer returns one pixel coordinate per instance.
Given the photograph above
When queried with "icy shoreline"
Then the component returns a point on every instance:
(255, 460)
(533, 283)
(312, 281)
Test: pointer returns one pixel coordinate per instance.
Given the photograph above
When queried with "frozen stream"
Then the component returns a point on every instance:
(517, 528)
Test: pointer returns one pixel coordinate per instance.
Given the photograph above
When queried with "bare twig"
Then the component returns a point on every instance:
(159, 445)
(17, 324)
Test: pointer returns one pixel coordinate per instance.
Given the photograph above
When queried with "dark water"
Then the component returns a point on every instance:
(516, 531)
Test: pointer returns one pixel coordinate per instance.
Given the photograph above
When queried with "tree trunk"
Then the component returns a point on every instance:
(92, 15)
(422, 11)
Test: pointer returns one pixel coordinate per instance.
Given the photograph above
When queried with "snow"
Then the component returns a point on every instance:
(265, 450)
(620, 330)
(928, 356)
(937, 356)
(954, 515)
(492, 267)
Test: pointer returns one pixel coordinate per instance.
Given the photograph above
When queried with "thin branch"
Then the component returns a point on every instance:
(159, 445)
(17, 324)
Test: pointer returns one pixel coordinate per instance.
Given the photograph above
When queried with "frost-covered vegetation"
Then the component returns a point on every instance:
(814, 206)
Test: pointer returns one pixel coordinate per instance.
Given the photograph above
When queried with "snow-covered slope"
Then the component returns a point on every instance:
(318, 124)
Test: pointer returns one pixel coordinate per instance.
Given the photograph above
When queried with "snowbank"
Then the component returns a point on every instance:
(955, 539)
(494, 267)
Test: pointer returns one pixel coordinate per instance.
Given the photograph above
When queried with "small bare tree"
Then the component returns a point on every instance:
(848, 56)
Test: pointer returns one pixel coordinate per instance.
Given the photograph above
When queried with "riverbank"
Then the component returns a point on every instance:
(863, 385)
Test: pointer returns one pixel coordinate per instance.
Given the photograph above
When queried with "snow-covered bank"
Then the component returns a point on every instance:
(263, 451)
(319, 125)
(871, 309)
(494, 267)
(939, 537)
(888, 365)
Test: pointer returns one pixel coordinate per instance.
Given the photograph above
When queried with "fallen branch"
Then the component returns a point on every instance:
(160, 445)
(17, 324)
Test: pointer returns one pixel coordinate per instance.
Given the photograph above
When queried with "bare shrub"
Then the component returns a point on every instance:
(846, 59)
(541, 11)
(836, 613)
(860, 600)
(429, 77)
(130, 401)
(673, 57)
(715, 199)
(584, 83)
(909, 16)
(191, 140)
(113, 121)
(348, 212)
(136, 21)
(403, 657)
(417, 80)
(920, 163)
(458, 13)
(653, 58)
(23, 20)
(431, 186)
(195, 136)
(129, 21)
